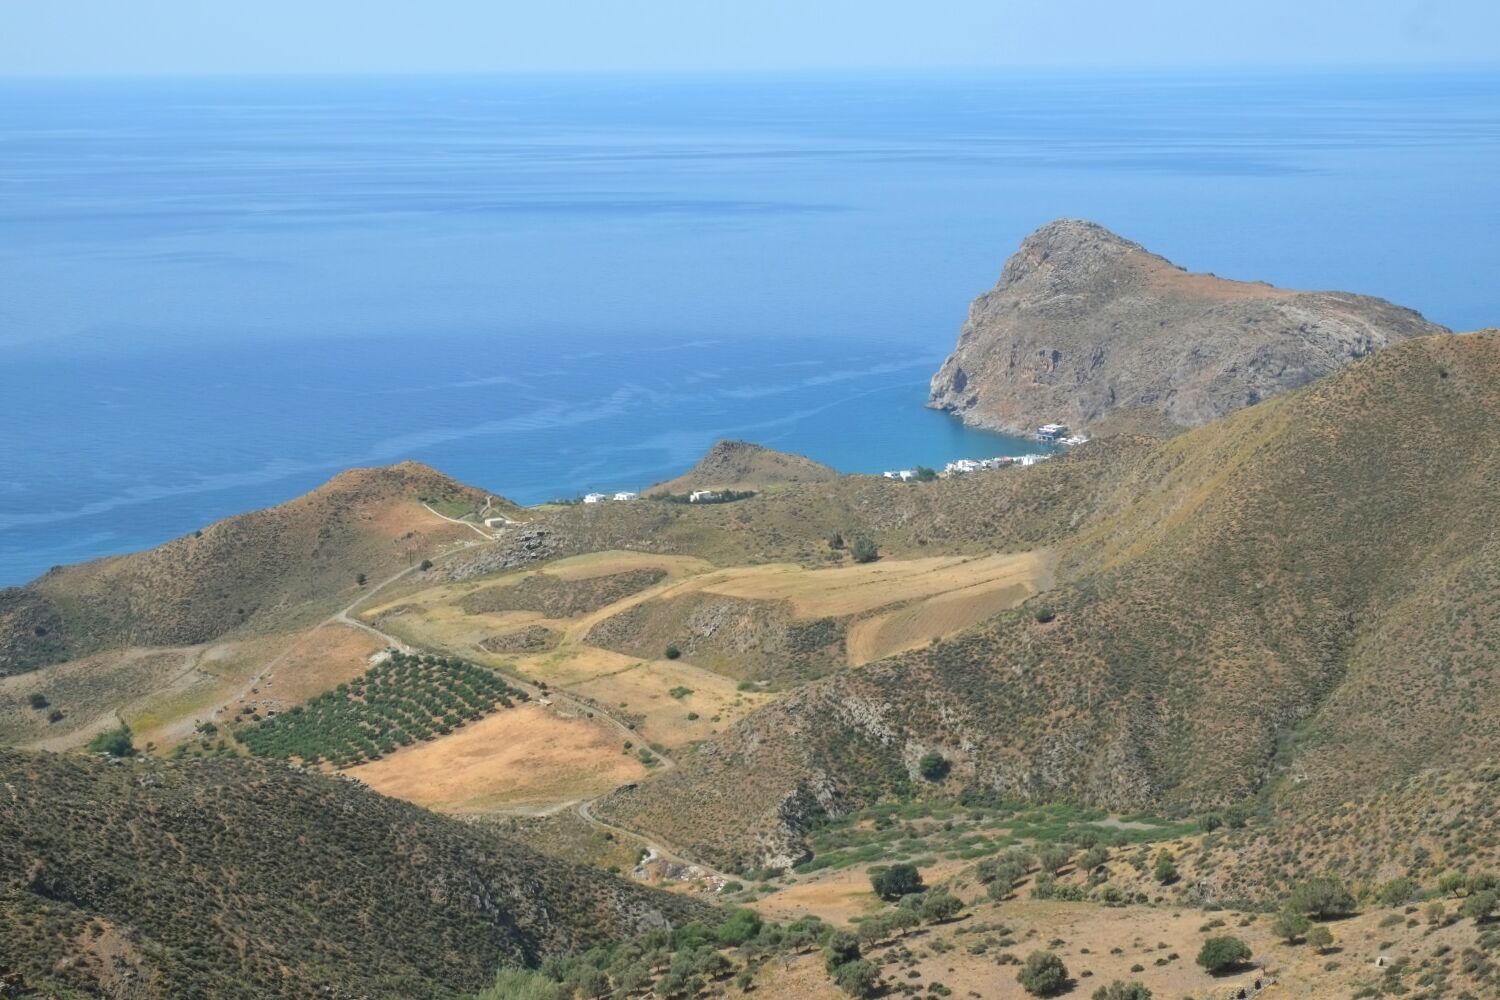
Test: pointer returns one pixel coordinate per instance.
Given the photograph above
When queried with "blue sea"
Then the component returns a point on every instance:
(215, 294)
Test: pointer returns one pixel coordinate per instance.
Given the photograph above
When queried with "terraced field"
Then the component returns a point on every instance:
(917, 624)
(397, 702)
(721, 623)
(855, 589)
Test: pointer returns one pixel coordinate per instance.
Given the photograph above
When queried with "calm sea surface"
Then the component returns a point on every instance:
(216, 294)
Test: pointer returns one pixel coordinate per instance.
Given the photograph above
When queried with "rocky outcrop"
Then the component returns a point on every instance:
(1086, 328)
(740, 465)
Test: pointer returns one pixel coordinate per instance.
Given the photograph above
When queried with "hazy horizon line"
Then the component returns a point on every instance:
(1445, 67)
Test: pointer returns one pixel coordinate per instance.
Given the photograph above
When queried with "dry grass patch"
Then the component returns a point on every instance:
(839, 896)
(907, 628)
(850, 590)
(322, 659)
(87, 691)
(644, 690)
(617, 561)
(526, 758)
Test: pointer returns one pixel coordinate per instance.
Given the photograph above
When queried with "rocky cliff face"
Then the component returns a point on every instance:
(1087, 328)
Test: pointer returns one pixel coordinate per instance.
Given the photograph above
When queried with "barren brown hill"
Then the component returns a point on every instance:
(1298, 601)
(740, 465)
(268, 570)
(1089, 329)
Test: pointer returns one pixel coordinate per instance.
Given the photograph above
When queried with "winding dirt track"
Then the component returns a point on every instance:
(584, 808)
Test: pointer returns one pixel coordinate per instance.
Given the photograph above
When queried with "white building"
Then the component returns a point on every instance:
(594, 498)
(700, 496)
(625, 495)
(1051, 432)
(961, 466)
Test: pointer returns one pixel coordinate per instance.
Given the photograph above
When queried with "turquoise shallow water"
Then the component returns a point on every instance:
(214, 295)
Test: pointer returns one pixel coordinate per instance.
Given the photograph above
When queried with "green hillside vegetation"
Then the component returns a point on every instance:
(400, 700)
(237, 879)
(693, 960)
(1296, 602)
(925, 833)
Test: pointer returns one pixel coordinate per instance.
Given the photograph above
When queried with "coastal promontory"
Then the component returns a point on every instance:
(1089, 329)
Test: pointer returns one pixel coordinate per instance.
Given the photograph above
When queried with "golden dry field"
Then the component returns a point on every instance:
(523, 759)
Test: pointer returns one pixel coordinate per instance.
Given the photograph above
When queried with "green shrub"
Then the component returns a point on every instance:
(1320, 938)
(940, 906)
(38, 700)
(1480, 906)
(1119, 990)
(864, 551)
(672, 652)
(1042, 974)
(522, 984)
(1449, 883)
(1165, 869)
(933, 766)
(842, 948)
(1396, 891)
(896, 881)
(115, 742)
(742, 926)
(1223, 954)
(1323, 897)
(859, 978)
(1290, 924)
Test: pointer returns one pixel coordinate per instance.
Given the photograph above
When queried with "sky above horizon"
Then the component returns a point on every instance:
(190, 37)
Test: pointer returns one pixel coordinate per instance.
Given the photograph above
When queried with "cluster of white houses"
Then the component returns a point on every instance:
(964, 465)
(602, 497)
(697, 496)
(1050, 433)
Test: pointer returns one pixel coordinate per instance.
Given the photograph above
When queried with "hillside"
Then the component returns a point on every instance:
(1007, 511)
(1089, 329)
(740, 465)
(230, 879)
(1298, 601)
(269, 570)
